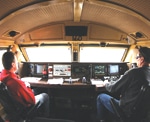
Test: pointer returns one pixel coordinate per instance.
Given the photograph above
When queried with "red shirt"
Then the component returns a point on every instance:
(17, 88)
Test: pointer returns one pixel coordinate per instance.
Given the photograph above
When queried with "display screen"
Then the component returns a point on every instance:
(76, 30)
(80, 69)
(39, 68)
(61, 70)
(99, 70)
(113, 70)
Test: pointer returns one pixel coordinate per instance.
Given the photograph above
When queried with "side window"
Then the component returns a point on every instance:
(1, 54)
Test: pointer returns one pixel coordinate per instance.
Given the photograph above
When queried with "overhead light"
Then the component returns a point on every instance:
(130, 40)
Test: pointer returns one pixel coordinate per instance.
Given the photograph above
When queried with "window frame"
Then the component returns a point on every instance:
(22, 48)
(107, 46)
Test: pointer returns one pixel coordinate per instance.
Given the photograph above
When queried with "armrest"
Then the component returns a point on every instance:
(118, 111)
(32, 111)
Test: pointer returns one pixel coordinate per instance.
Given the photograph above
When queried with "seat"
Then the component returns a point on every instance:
(15, 111)
(139, 110)
(40, 119)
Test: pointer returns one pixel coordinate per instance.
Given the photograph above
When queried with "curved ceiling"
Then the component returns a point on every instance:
(25, 21)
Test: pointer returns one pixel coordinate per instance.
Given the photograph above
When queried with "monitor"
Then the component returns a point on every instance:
(39, 68)
(76, 30)
(113, 69)
(80, 70)
(61, 70)
(99, 70)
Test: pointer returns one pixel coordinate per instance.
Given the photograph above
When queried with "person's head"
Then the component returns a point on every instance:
(9, 61)
(143, 56)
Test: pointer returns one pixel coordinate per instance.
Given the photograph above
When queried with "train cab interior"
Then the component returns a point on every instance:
(69, 48)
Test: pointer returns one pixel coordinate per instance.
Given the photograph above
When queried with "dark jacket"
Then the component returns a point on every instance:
(129, 85)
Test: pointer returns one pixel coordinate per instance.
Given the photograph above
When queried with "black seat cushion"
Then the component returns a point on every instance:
(14, 110)
(40, 119)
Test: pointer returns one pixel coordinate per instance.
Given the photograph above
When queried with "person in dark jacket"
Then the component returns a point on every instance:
(127, 86)
(19, 89)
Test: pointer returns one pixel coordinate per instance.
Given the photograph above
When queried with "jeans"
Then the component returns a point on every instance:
(103, 105)
(44, 103)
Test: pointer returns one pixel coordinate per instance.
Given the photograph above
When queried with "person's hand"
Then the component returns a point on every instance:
(105, 81)
(17, 75)
(27, 84)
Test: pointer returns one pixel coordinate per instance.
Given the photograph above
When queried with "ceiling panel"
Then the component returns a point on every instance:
(125, 16)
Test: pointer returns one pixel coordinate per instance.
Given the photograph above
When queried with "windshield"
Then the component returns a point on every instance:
(102, 54)
(49, 54)
(65, 54)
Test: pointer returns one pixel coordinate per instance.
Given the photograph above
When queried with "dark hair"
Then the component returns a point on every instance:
(145, 52)
(7, 59)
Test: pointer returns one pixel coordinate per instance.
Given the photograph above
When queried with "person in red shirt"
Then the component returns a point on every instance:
(20, 90)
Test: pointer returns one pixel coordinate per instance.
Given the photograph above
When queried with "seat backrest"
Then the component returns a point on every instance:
(7, 102)
(14, 110)
(143, 99)
(140, 106)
